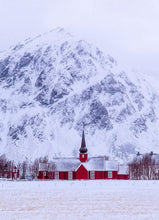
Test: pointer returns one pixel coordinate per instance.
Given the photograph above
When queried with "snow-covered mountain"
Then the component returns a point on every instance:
(52, 84)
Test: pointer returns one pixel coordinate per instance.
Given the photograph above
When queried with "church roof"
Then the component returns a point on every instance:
(66, 164)
(100, 164)
(111, 165)
(72, 164)
(95, 164)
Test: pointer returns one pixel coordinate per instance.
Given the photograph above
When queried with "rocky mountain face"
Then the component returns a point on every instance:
(52, 84)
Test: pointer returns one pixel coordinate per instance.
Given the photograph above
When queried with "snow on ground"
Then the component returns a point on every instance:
(103, 199)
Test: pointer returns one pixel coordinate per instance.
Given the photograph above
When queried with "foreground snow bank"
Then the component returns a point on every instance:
(102, 199)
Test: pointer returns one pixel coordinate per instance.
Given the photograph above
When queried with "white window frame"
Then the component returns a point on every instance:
(56, 175)
(110, 174)
(92, 175)
(70, 175)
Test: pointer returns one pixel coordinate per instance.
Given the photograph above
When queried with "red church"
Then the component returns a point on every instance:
(83, 168)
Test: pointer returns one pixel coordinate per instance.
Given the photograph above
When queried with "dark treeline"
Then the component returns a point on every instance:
(5, 164)
(27, 169)
(144, 167)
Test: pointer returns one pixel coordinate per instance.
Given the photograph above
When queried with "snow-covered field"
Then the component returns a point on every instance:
(103, 199)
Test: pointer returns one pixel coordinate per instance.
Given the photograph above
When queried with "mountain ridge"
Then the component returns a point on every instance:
(53, 83)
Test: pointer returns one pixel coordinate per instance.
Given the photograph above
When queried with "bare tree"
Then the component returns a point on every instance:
(144, 167)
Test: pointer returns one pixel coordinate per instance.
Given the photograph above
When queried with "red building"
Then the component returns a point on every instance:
(82, 167)
(11, 174)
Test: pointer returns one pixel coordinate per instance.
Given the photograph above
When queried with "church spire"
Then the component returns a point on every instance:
(83, 156)
(83, 148)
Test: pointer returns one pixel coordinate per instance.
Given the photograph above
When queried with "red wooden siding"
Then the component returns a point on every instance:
(82, 173)
(98, 175)
(114, 174)
(10, 174)
(65, 175)
(123, 176)
(83, 157)
(42, 175)
(15, 173)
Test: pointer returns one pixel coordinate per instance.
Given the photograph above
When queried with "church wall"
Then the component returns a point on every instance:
(123, 176)
(82, 173)
(114, 174)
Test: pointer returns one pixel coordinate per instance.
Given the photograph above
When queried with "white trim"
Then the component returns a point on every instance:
(110, 174)
(70, 175)
(56, 175)
(92, 175)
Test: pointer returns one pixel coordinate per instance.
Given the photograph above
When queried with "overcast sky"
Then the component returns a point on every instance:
(126, 29)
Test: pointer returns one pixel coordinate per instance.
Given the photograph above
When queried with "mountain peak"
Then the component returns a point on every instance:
(53, 82)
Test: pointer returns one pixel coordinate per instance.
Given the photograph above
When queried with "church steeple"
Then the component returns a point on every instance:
(83, 149)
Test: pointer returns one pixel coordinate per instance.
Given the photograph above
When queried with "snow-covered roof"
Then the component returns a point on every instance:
(72, 164)
(95, 163)
(123, 169)
(111, 165)
(66, 164)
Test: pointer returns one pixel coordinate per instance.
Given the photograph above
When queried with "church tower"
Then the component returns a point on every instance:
(83, 156)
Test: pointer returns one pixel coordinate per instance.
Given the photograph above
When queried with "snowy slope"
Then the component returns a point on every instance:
(53, 83)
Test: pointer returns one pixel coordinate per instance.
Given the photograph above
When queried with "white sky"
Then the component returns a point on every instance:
(126, 29)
